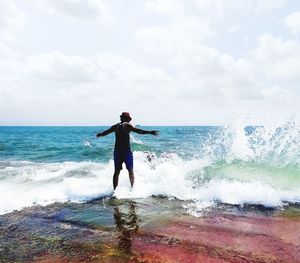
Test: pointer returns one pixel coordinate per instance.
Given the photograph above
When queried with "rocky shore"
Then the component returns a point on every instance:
(148, 230)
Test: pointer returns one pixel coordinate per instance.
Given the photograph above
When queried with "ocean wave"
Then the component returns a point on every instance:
(196, 180)
(234, 165)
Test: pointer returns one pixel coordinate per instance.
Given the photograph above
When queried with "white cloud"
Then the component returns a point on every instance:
(6, 51)
(11, 20)
(74, 89)
(211, 8)
(277, 58)
(232, 29)
(102, 67)
(221, 7)
(120, 69)
(176, 56)
(218, 7)
(199, 72)
(77, 9)
(57, 66)
(269, 71)
(292, 22)
(278, 94)
(265, 5)
(217, 76)
(10, 67)
(185, 34)
(204, 75)
(208, 79)
(165, 7)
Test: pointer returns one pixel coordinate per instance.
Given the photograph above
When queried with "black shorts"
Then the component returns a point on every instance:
(123, 156)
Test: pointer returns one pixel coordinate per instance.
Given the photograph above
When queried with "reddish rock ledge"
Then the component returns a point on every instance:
(147, 231)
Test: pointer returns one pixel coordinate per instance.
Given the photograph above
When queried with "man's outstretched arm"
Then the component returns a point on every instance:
(140, 131)
(106, 132)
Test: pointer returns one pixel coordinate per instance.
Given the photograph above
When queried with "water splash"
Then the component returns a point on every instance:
(87, 143)
(135, 140)
(273, 144)
(234, 165)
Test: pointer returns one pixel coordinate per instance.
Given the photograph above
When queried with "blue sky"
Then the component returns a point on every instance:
(168, 62)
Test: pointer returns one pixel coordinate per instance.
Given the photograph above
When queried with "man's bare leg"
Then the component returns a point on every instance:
(116, 178)
(131, 177)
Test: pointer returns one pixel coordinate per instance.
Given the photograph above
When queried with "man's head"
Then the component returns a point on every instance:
(125, 117)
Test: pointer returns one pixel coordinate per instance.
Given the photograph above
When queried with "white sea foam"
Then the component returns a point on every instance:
(260, 168)
(34, 183)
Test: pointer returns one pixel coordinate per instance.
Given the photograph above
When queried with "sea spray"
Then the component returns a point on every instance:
(203, 166)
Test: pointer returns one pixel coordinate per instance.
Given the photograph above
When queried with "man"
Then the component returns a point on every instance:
(122, 152)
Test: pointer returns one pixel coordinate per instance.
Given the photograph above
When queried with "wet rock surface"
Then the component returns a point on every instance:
(152, 230)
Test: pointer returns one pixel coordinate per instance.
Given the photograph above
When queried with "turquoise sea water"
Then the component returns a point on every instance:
(202, 165)
(59, 144)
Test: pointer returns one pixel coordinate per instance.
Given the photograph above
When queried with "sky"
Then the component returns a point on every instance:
(167, 62)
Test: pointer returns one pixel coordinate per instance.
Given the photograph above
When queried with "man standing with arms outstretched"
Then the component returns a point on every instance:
(122, 152)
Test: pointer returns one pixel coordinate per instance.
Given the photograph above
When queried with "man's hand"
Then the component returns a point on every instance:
(99, 134)
(154, 133)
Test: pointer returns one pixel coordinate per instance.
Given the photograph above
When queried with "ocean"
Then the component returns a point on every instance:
(202, 166)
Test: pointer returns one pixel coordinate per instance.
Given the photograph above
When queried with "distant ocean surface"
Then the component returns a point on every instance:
(204, 166)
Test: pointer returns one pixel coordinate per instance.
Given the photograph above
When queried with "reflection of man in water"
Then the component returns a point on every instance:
(127, 225)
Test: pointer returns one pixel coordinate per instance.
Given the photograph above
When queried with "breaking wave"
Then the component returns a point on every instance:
(235, 165)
